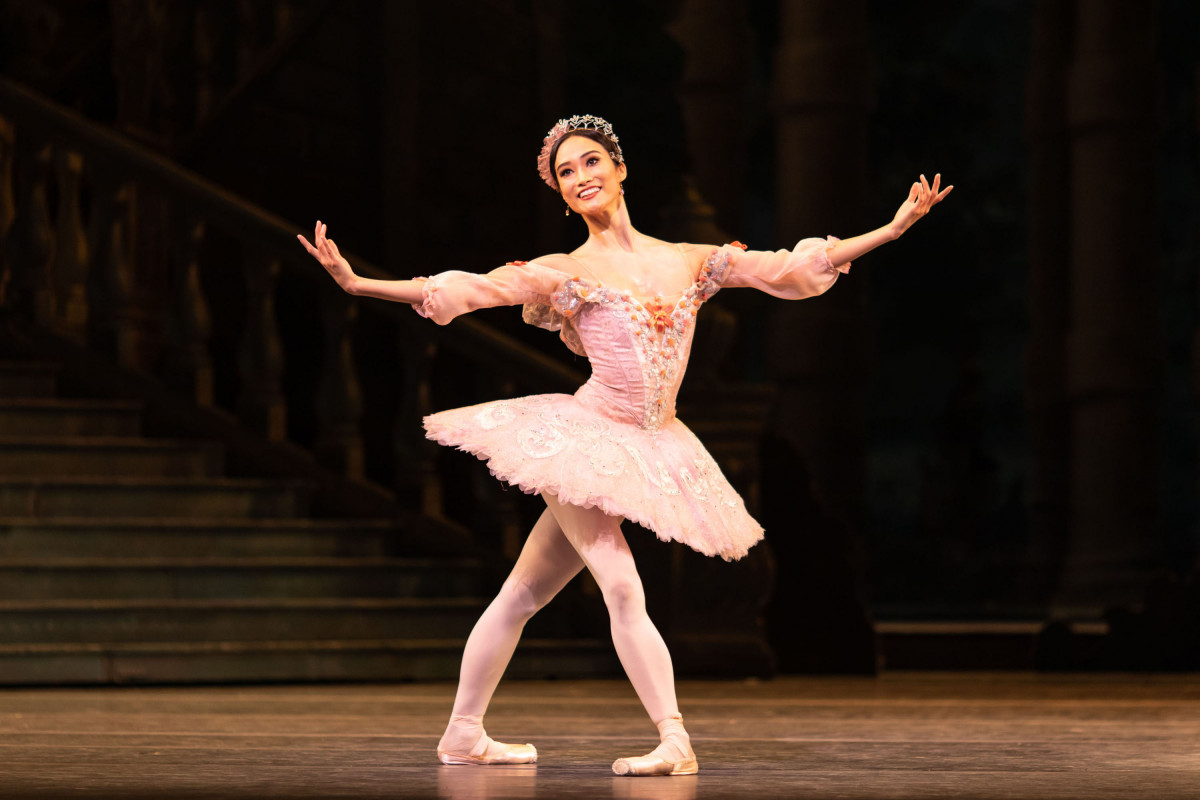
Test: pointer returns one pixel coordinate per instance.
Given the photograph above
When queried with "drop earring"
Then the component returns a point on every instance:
(622, 188)
(567, 211)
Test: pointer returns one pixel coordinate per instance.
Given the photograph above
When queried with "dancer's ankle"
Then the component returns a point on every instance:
(466, 742)
(464, 734)
(675, 744)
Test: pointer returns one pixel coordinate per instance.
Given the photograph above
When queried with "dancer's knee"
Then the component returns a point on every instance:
(625, 599)
(520, 600)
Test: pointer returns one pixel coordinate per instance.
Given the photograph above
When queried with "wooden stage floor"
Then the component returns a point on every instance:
(904, 735)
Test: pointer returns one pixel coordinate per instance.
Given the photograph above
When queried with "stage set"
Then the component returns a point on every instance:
(233, 564)
(981, 736)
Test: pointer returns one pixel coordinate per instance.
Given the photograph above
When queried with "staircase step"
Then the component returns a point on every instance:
(149, 497)
(28, 379)
(65, 621)
(53, 417)
(321, 660)
(146, 578)
(108, 455)
(175, 537)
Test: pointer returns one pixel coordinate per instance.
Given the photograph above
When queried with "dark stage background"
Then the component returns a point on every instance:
(991, 419)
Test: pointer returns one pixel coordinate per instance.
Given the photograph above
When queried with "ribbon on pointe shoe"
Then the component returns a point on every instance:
(466, 742)
(673, 756)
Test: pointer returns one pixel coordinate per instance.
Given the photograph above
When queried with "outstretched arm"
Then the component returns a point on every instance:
(921, 198)
(448, 294)
(324, 250)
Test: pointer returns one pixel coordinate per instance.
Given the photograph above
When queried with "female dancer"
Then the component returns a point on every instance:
(614, 450)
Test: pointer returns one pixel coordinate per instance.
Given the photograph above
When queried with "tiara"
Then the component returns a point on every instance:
(565, 126)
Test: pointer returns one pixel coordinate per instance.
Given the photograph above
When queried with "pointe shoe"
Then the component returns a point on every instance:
(639, 766)
(493, 753)
(466, 742)
(673, 756)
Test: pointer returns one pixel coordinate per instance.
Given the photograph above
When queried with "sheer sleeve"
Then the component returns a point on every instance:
(452, 293)
(803, 271)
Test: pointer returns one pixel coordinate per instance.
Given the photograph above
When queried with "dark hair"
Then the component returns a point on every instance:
(587, 133)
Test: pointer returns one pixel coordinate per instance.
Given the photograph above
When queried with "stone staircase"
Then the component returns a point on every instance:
(130, 559)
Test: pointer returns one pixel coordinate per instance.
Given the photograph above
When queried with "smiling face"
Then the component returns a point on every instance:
(587, 176)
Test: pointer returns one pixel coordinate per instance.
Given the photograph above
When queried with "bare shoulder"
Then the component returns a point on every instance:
(696, 253)
(689, 247)
(562, 262)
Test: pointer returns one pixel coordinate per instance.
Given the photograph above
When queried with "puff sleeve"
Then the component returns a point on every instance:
(448, 294)
(803, 271)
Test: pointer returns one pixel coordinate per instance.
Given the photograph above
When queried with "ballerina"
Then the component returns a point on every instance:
(614, 450)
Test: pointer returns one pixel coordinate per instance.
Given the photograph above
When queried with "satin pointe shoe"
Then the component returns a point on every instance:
(466, 742)
(492, 753)
(650, 764)
(673, 756)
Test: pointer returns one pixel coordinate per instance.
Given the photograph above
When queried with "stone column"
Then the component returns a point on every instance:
(71, 248)
(1196, 336)
(819, 350)
(716, 37)
(1049, 292)
(1114, 349)
(8, 208)
(36, 237)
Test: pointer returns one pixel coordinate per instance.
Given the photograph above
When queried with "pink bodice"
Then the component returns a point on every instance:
(638, 352)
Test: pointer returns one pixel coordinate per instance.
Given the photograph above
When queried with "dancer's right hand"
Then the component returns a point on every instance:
(325, 251)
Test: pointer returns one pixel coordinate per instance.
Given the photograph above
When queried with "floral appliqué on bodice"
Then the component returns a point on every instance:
(660, 333)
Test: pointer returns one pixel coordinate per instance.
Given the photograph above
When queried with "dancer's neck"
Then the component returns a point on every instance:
(611, 229)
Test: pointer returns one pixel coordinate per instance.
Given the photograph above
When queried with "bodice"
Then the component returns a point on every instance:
(638, 351)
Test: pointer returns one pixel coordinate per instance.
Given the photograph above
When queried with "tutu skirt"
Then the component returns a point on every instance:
(664, 480)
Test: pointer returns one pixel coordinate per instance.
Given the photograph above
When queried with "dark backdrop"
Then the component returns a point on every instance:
(452, 97)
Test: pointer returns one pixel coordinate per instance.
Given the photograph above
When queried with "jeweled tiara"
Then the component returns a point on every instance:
(565, 126)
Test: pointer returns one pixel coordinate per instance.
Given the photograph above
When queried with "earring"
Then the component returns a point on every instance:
(622, 188)
(567, 211)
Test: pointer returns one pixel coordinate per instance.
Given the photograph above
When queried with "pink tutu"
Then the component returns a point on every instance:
(664, 480)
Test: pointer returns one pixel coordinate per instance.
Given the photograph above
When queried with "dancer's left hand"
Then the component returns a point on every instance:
(921, 198)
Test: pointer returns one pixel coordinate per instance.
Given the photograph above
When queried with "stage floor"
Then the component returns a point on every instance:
(904, 735)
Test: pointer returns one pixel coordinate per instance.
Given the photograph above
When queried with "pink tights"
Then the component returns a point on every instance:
(566, 539)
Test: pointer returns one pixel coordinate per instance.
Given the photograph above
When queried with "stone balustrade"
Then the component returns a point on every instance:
(109, 245)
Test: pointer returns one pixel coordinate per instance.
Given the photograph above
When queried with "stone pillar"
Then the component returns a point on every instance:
(262, 404)
(339, 442)
(36, 253)
(8, 207)
(1196, 335)
(1114, 349)
(819, 349)
(69, 273)
(112, 323)
(716, 37)
(1049, 293)
(188, 366)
